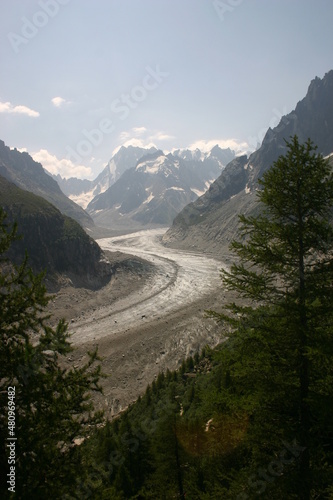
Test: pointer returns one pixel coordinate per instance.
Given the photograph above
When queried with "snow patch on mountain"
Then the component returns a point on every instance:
(148, 200)
(151, 166)
(198, 192)
(82, 199)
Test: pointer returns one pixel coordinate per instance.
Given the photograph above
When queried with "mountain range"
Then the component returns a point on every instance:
(209, 223)
(83, 191)
(157, 188)
(45, 215)
(202, 193)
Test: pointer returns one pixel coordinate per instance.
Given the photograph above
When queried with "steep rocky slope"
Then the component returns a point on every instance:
(156, 189)
(54, 242)
(83, 191)
(211, 222)
(24, 172)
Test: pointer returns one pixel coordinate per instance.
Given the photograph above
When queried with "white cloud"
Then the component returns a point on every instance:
(7, 107)
(134, 141)
(142, 137)
(64, 167)
(146, 138)
(207, 145)
(139, 130)
(133, 132)
(58, 101)
(124, 136)
(161, 136)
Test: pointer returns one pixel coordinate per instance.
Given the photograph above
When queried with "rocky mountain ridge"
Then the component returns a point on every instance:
(156, 189)
(83, 191)
(209, 223)
(54, 242)
(21, 170)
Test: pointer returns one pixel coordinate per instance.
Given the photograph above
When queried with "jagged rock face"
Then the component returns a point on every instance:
(73, 186)
(210, 219)
(311, 119)
(224, 156)
(232, 181)
(24, 172)
(128, 195)
(83, 191)
(149, 193)
(157, 188)
(54, 242)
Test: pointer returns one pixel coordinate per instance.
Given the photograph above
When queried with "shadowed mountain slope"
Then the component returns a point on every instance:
(24, 172)
(54, 242)
(209, 223)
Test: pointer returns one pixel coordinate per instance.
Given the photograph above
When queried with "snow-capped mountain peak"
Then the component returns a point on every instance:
(158, 164)
(154, 191)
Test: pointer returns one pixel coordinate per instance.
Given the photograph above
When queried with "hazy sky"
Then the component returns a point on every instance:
(82, 77)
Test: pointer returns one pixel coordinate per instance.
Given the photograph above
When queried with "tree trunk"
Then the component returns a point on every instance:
(304, 467)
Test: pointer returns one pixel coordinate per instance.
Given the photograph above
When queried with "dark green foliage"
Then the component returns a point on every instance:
(189, 364)
(252, 418)
(52, 405)
(282, 343)
(160, 381)
(159, 447)
(55, 243)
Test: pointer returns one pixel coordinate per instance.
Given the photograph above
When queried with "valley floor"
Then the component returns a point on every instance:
(150, 316)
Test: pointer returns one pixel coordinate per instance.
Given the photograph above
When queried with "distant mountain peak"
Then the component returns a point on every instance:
(83, 191)
(150, 157)
(156, 189)
(215, 149)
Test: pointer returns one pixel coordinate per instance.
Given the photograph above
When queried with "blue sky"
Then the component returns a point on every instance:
(82, 77)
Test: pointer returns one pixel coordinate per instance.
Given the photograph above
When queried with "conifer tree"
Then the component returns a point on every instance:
(167, 481)
(281, 348)
(52, 405)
